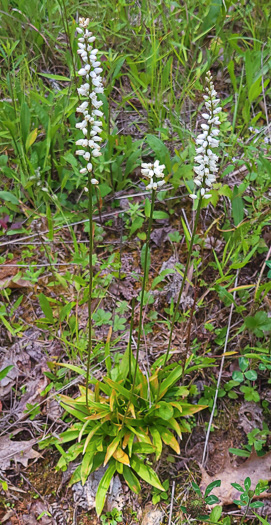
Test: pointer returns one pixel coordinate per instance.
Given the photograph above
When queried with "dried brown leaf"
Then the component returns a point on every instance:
(254, 467)
(18, 451)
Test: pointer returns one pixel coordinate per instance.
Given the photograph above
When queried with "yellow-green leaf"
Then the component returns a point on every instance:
(111, 448)
(31, 138)
(170, 440)
(121, 456)
(147, 473)
(192, 409)
(131, 480)
(175, 425)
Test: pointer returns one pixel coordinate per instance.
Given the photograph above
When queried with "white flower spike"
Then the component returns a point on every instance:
(153, 172)
(90, 72)
(206, 159)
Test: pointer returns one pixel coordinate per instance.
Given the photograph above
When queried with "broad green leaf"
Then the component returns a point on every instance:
(142, 436)
(66, 310)
(55, 77)
(76, 477)
(237, 486)
(237, 207)
(8, 197)
(171, 380)
(251, 375)
(126, 393)
(4, 372)
(76, 369)
(216, 514)
(159, 148)
(157, 441)
(143, 448)
(124, 365)
(196, 488)
(159, 214)
(46, 308)
(86, 465)
(103, 487)
(247, 483)
(147, 473)
(211, 500)
(131, 480)
(211, 486)
(164, 410)
(7, 325)
(262, 520)
(256, 505)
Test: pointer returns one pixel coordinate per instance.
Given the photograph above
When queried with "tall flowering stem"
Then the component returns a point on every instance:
(205, 169)
(91, 127)
(154, 172)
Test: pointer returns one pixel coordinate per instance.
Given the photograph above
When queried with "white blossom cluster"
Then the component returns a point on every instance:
(206, 159)
(153, 172)
(90, 126)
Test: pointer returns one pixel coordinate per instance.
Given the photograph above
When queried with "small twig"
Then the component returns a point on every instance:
(220, 374)
(171, 503)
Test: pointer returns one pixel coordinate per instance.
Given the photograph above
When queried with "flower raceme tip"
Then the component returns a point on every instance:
(206, 159)
(153, 172)
(90, 124)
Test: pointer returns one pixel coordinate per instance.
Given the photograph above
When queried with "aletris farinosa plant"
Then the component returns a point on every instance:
(91, 127)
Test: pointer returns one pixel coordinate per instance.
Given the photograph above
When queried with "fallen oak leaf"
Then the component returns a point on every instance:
(255, 467)
(18, 451)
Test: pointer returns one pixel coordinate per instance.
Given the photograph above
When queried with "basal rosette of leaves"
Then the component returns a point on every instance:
(121, 428)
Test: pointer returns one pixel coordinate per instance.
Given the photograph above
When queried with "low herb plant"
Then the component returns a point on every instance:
(196, 504)
(247, 495)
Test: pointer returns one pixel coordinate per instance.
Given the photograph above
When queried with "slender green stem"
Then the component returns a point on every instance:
(145, 275)
(130, 338)
(141, 305)
(90, 212)
(182, 286)
(246, 512)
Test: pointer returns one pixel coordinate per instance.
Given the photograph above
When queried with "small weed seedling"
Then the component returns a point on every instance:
(247, 496)
(112, 518)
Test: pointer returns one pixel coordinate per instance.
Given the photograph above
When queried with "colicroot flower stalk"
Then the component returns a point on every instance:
(205, 169)
(153, 172)
(90, 127)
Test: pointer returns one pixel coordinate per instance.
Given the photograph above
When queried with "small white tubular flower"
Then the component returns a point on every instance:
(90, 108)
(153, 172)
(206, 159)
